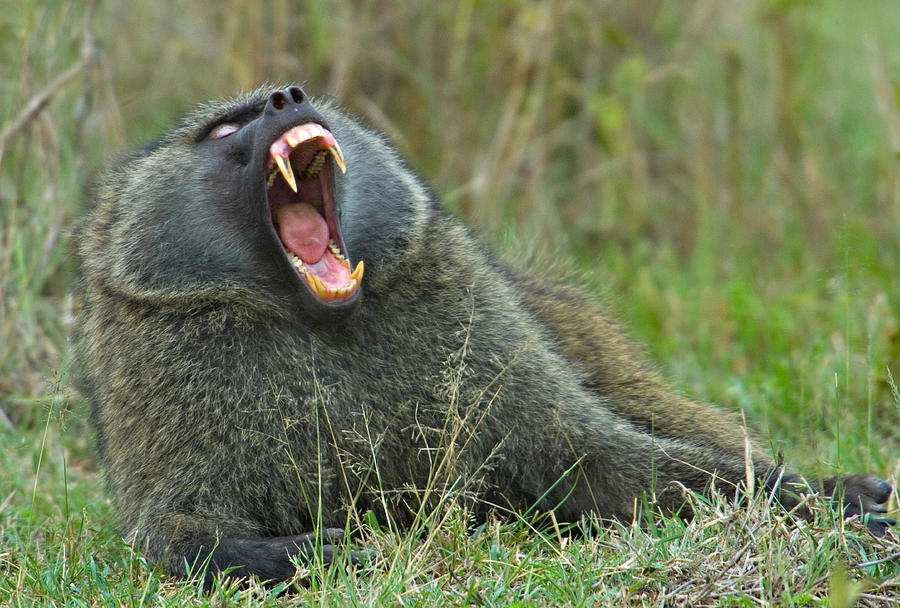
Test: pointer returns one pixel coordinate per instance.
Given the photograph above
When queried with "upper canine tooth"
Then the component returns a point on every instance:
(287, 172)
(338, 157)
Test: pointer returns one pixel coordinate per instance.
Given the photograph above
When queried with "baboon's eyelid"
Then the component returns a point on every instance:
(239, 116)
(224, 130)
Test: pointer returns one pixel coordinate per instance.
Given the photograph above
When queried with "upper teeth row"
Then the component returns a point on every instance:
(306, 132)
(296, 136)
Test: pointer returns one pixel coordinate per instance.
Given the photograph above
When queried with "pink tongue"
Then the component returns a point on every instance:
(302, 230)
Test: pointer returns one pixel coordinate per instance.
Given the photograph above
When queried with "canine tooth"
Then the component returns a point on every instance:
(338, 157)
(358, 273)
(285, 167)
(319, 285)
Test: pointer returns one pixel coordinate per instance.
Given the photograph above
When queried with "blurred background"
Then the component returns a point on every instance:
(725, 175)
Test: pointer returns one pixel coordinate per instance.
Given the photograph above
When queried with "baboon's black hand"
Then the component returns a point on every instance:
(272, 558)
(862, 495)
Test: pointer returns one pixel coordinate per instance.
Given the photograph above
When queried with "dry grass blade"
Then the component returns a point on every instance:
(40, 100)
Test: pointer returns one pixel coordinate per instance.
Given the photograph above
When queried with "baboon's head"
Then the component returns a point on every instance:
(255, 196)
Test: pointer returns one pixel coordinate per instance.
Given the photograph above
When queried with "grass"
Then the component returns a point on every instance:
(725, 175)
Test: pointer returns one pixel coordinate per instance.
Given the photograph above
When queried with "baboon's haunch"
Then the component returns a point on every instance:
(268, 341)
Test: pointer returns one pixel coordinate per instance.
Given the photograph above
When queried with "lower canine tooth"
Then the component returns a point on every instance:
(358, 273)
(319, 286)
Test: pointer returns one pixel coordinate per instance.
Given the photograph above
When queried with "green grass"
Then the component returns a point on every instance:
(726, 176)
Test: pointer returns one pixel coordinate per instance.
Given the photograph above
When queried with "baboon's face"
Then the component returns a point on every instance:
(248, 200)
(281, 157)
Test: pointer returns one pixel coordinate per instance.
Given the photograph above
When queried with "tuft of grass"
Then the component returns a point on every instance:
(732, 552)
(726, 176)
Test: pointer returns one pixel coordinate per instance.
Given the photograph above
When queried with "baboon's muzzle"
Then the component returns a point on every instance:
(300, 159)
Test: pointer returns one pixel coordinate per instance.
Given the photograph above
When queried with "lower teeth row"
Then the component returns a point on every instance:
(296, 261)
(317, 284)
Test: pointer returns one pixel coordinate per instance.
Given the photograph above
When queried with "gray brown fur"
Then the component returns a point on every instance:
(226, 418)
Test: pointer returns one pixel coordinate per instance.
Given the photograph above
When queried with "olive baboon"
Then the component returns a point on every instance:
(268, 342)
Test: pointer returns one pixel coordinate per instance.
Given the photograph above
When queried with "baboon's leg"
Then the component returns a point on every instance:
(616, 370)
(617, 463)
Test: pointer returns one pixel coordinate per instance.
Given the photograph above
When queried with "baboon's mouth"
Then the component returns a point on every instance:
(300, 192)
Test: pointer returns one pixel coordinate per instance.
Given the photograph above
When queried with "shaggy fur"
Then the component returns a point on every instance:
(235, 417)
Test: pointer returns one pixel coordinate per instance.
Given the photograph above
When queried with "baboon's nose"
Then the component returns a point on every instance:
(291, 99)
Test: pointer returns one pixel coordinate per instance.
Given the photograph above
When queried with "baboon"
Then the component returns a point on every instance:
(280, 325)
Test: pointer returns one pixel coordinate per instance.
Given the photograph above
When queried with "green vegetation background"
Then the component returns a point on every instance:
(725, 175)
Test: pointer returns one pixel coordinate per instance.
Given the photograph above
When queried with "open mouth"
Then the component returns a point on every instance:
(301, 202)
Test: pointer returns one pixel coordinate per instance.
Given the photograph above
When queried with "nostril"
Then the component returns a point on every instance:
(278, 100)
(297, 94)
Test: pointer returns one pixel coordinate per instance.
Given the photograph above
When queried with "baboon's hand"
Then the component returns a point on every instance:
(328, 539)
(863, 495)
(274, 559)
(307, 544)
